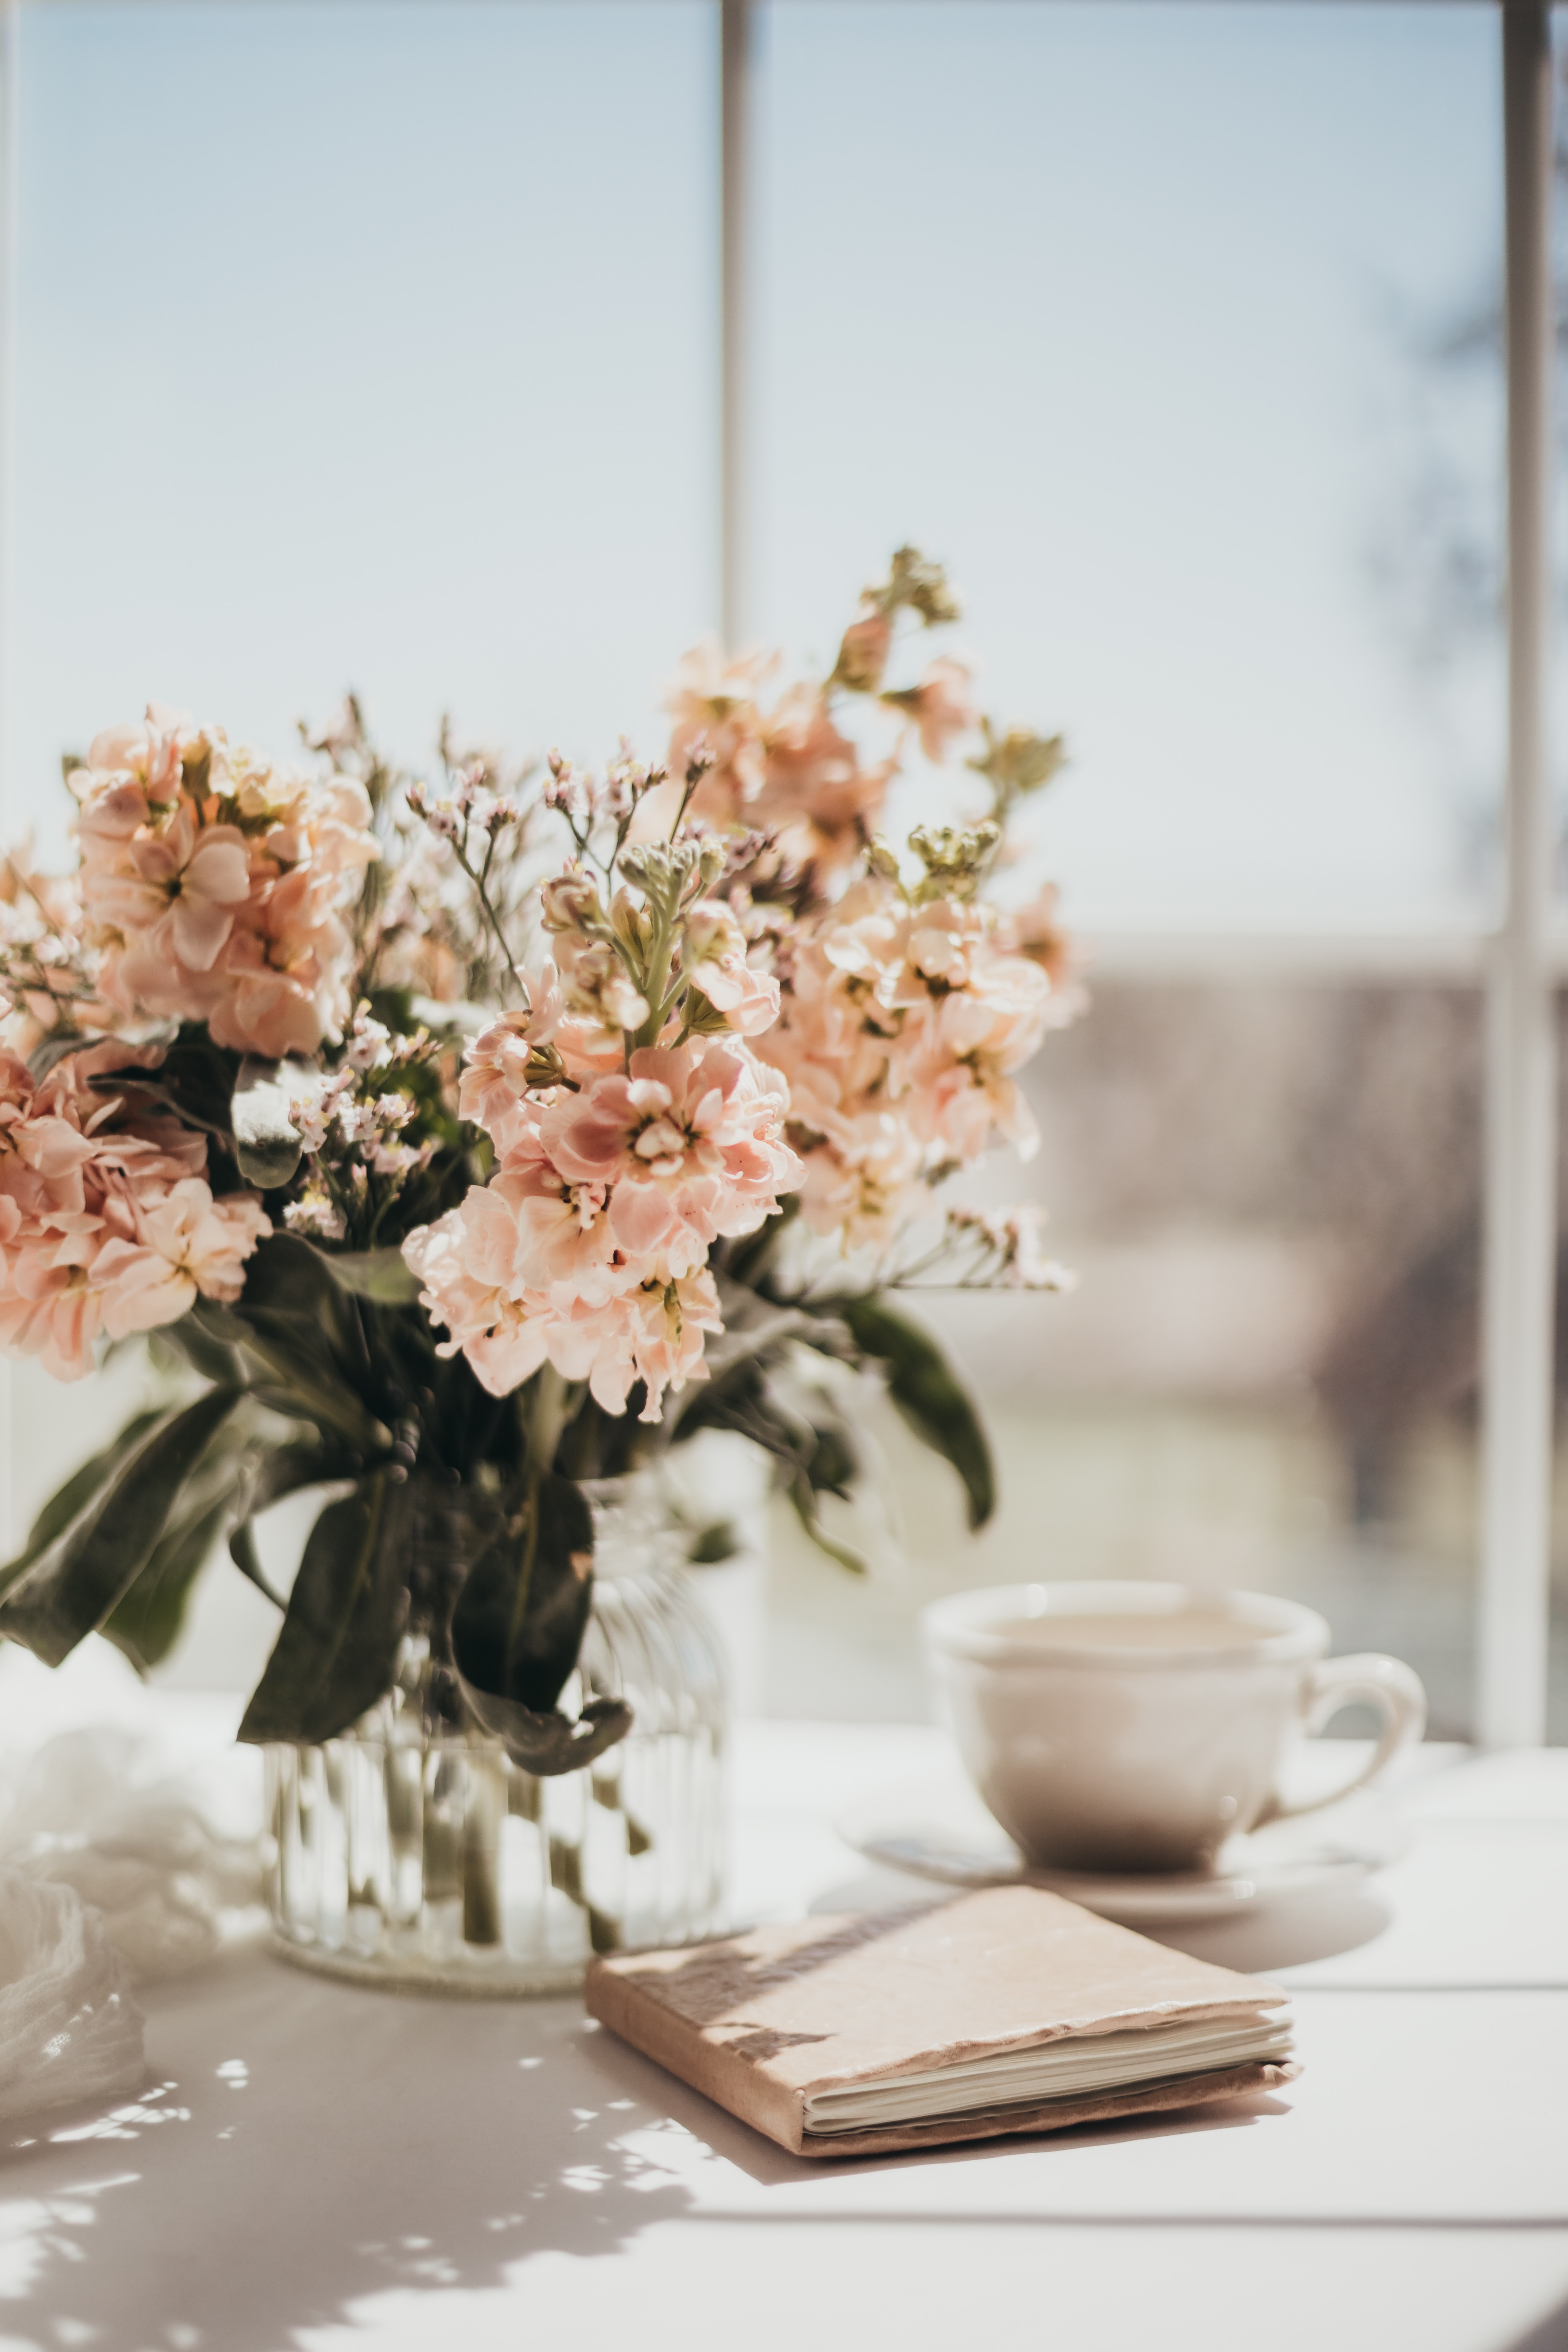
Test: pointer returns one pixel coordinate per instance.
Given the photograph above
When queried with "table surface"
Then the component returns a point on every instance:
(323, 2167)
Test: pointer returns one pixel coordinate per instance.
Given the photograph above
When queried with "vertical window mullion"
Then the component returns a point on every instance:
(1521, 1160)
(738, 73)
(11, 1530)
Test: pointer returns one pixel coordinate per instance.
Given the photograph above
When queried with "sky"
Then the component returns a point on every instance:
(374, 343)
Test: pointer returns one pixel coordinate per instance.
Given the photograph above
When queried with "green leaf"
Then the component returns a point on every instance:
(242, 1551)
(550, 1743)
(382, 1274)
(66, 1501)
(335, 1654)
(68, 1591)
(195, 1079)
(928, 1393)
(296, 1322)
(742, 1261)
(52, 1049)
(146, 1622)
(285, 1469)
(832, 1465)
(266, 1143)
(755, 1331)
(713, 1544)
(523, 1608)
(287, 1280)
(214, 1358)
(803, 1495)
(291, 1297)
(282, 1470)
(519, 1626)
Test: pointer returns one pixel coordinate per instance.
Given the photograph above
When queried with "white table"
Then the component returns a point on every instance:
(323, 2167)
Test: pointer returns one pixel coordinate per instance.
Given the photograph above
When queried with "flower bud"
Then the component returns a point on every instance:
(955, 857)
(571, 902)
(711, 932)
(700, 758)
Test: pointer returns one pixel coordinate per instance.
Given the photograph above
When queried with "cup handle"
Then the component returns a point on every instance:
(1385, 1683)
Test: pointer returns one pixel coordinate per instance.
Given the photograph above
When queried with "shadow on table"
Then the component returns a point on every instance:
(1281, 1935)
(313, 2147)
(1287, 1933)
(1549, 2335)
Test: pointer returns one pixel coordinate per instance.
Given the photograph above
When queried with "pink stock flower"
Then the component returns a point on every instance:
(177, 888)
(863, 652)
(216, 885)
(103, 1227)
(815, 792)
(789, 769)
(900, 1034)
(152, 752)
(943, 706)
(713, 954)
(717, 701)
(187, 1246)
(690, 1142)
(653, 1334)
(504, 1338)
(1036, 930)
(589, 1245)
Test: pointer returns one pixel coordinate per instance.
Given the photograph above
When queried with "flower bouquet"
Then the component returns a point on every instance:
(455, 1142)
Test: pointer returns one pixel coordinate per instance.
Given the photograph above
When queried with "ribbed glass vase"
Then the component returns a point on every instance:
(426, 1859)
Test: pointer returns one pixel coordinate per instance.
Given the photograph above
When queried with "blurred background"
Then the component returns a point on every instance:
(374, 343)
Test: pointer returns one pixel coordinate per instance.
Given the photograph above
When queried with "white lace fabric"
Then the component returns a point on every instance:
(69, 2030)
(111, 1873)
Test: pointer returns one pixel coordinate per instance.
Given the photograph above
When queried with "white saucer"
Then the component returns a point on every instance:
(942, 1831)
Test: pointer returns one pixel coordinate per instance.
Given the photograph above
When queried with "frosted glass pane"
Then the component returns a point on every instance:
(1136, 316)
(366, 344)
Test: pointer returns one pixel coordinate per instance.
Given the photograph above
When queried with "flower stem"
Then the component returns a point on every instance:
(479, 880)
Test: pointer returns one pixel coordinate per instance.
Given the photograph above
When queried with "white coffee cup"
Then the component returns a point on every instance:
(1136, 1727)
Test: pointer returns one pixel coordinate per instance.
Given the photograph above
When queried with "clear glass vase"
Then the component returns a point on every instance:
(401, 1857)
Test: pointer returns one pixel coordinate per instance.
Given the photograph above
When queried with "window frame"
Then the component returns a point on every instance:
(1520, 961)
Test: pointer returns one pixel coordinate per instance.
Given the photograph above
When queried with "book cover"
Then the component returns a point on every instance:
(778, 2024)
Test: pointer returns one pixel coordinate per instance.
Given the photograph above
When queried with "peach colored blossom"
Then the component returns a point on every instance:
(106, 1225)
(713, 954)
(653, 1334)
(501, 1340)
(215, 885)
(901, 1033)
(597, 989)
(815, 790)
(863, 652)
(716, 700)
(589, 1245)
(190, 1246)
(789, 769)
(178, 888)
(1036, 930)
(943, 706)
(494, 1085)
(692, 1142)
(152, 752)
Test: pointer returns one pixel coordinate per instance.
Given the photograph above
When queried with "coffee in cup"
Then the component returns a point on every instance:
(1121, 1727)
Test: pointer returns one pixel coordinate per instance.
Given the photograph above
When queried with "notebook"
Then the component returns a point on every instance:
(1009, 2010)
